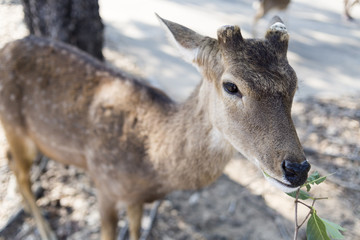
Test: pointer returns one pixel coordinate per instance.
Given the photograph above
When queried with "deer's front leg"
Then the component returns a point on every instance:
(21, 155)
(134, 213)
(108, 215)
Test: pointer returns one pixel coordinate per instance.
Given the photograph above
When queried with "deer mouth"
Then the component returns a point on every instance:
(283, 185)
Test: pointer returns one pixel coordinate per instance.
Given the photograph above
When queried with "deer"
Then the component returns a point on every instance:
(264, 6)
(348, 5)
(132, 139)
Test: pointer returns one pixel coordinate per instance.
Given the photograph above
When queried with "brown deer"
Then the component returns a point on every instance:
(137, 144)
(264, 6)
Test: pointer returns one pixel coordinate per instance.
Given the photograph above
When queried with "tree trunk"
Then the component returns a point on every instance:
(76, 22)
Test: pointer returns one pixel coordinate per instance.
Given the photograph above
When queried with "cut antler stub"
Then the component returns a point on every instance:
(278, 36)
(229, 35)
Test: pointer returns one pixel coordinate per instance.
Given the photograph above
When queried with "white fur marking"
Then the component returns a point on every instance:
(187, 54)
(279, 185)
(216, 139)
(228, 76)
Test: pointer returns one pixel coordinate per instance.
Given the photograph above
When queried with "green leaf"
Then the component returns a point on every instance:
(313, 179)
(320, 180)
(302, 195)
(333, 229)
(315, 175)
(316, 229)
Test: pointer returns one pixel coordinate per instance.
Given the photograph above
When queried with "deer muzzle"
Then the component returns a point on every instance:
(295, 173)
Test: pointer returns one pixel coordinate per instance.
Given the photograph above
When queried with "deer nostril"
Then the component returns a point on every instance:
(295, 173)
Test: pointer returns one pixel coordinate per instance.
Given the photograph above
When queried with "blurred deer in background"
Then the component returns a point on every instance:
(264, 6)
(348, 4)
(136, 143)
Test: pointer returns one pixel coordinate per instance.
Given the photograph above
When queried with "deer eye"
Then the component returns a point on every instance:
(231, 88)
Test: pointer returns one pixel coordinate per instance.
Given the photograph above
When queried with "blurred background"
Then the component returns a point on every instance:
(324, 50)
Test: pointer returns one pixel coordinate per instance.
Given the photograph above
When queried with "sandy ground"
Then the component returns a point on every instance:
(325, 52)
(324, 49)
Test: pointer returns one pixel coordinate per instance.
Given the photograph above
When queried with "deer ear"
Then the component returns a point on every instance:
(186, 40)
(277, 35)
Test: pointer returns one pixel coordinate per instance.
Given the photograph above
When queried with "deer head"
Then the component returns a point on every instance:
(248, 87)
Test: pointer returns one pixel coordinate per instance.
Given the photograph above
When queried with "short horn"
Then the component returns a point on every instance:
(277, 34)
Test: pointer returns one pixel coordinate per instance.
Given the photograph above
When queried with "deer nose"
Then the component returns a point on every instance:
(295, 173)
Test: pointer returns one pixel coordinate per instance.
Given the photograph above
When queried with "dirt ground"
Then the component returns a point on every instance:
(240, 205)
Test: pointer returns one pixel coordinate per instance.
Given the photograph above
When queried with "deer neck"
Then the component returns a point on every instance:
(193, 153)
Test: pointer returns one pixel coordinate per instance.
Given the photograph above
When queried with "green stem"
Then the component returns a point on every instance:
(296, 220)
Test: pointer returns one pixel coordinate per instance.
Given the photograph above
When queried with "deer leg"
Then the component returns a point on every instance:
(109, 217)
(21, 155)
(348, 5)
(134, 214)
(259, 14)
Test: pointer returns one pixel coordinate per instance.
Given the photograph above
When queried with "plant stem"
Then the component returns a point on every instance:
(296, 222)
(297, 226)
(310, 207)
(320, 198)
(307, 216)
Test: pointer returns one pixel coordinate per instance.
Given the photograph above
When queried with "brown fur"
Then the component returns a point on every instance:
(135, 142)
(266, 6)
